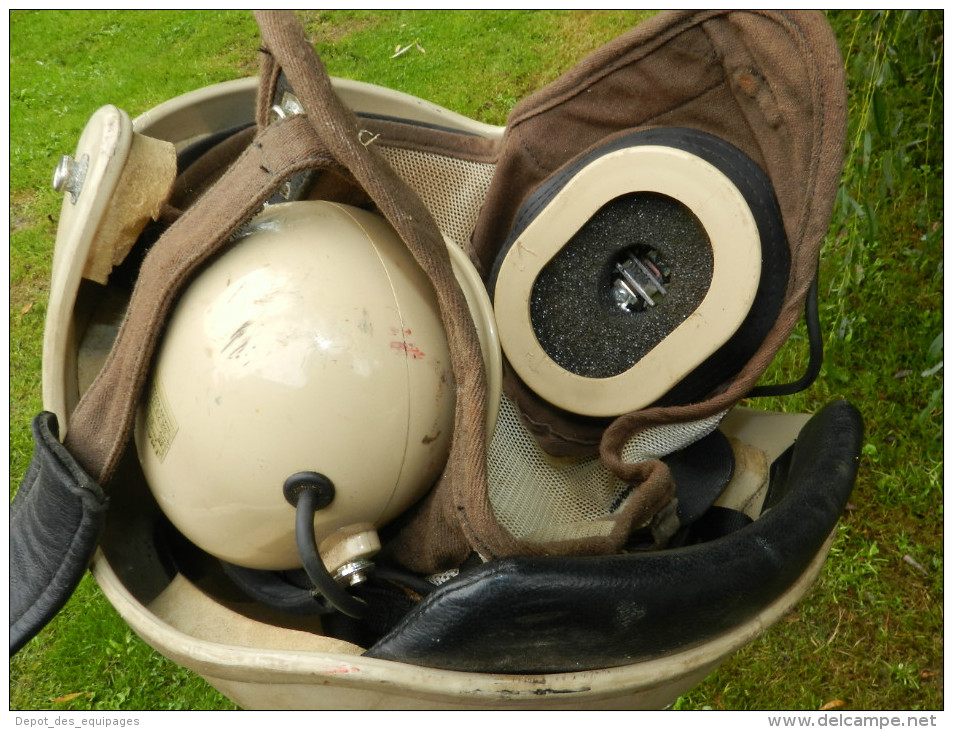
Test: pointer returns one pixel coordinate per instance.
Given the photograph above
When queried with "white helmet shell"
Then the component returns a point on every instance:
(313, 344)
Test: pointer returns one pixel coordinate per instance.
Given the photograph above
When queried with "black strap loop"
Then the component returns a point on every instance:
(815, 358)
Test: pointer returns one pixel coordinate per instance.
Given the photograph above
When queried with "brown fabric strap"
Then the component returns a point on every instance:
(100, 427)
(199, 176)
(460, 500)
(421, 138)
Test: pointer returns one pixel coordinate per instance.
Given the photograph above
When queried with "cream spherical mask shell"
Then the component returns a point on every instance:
(314, 344)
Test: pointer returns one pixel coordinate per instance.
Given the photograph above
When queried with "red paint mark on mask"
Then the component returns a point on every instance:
(409, 349)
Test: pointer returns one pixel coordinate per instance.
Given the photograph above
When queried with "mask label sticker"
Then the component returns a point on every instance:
(161, 425)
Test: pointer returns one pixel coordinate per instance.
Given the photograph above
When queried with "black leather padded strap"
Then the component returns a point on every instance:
(532, 615)
(55, 521)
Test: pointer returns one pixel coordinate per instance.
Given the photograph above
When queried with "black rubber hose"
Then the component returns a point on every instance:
(313, 565)
(415, 583)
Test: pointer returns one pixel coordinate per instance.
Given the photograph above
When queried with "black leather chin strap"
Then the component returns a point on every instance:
(55, 522)
(556, 614)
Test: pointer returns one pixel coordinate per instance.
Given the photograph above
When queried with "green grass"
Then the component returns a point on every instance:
(88, 659)
(871, 632)
(869, 635)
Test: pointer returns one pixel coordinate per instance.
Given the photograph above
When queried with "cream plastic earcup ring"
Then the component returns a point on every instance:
(626, 270)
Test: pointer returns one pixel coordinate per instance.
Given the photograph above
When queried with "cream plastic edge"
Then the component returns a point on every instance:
(107, 139)
(197, 112)
(333, 669)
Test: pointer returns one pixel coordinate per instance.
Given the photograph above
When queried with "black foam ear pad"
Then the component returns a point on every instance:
(650, 252)
(584, 311)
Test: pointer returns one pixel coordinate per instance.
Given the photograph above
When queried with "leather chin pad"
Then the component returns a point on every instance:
(531, 615)
(55, 523)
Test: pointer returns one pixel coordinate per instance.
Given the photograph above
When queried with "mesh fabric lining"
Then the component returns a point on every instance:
(540, 498)
(452, 189)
